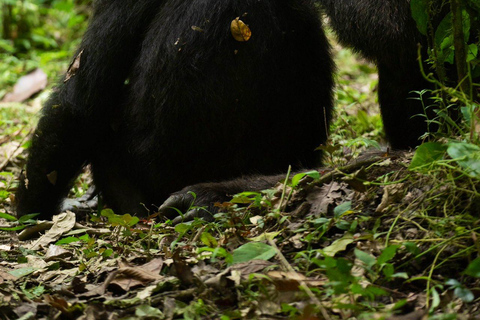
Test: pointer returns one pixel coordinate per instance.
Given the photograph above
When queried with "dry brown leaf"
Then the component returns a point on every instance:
(52, 177)
(204, 271)
(5, 276)
(128, 277)
(240, 31)
(154, 265)
(195, 28)
(74, 67)
(355, 180)
(56, 252)
(290, 281)
(391, 194)
(62, 223)
(9, 151)
(183, 270)
(57, 302)
(327, 196)
(243, 269)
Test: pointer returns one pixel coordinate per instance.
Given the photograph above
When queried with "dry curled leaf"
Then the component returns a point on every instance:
(240, 31)
(195, 28)
(74, 66)
(52, 177)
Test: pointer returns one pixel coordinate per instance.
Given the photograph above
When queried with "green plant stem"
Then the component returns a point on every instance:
(456, 254)
(446, 241)
(284, 191)
(430, 273)
(460, 48)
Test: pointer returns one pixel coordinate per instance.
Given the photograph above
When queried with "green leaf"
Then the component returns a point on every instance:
(27, 217)
(182, 228)
(108, 213)
(22, 272)
(296, 178)
(107, 253)
(253, 251)
(366, 258)
(6, 45)
(4, 194)
(473, 268)
(467, 156)
(338, 245)
(342, 209)
(464, 294)
(472, 52)
(265, 236)
(376, 291)
(387, 254)
(426, 155)
(208, 239)
(469, 111)
(16, 228)
(402, 275)
(419, 14)
(67, 240)
(85, 238)
(8, 217)
(246, 197)
(412, 248)
(444, 31)
(435, 299)
(130, 220)
(125, 220)
(453, 283)
(388, 270)
(146, 311)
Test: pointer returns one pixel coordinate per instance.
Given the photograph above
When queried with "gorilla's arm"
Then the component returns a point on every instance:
(80, 111)
(207, 194)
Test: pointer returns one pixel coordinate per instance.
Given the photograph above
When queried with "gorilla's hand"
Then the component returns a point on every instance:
(196, 201)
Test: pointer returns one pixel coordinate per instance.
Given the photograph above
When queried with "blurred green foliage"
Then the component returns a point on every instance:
(39, 33)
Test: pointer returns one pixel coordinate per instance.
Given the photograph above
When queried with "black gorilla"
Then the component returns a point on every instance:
(385, 32)
(161, 95)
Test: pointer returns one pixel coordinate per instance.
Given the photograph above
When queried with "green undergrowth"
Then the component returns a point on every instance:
(361, 241)
(371, 235)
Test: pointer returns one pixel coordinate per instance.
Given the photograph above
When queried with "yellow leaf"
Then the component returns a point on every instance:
(240, 31)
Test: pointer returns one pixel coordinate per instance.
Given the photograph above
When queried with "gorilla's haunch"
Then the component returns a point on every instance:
(163, 96)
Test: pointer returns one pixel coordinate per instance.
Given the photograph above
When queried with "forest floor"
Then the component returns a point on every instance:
(371, 235)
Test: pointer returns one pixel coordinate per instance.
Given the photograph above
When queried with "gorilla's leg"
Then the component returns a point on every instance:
(385, 32)
(405, 112)
(82, 110)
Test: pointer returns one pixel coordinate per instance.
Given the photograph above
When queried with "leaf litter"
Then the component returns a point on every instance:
(332, 251)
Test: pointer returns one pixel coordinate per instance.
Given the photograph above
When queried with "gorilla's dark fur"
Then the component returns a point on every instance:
(165, 97)
(385, 32)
